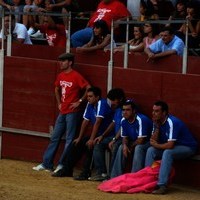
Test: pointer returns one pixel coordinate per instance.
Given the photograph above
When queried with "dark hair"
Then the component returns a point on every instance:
(103, 25)
(130, 102)
(169, 29)
(116, 93)
(66, 56)
(96, 91)
(163, 106)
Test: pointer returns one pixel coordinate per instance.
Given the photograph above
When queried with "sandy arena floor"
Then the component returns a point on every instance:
(19, 182)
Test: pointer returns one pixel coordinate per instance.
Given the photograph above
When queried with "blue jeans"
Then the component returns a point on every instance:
(99, 155)
(167, 157)
(65, 123)
(137, 163)
(81, 37)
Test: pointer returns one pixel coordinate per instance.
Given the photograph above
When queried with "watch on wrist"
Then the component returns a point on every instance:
(114, 139)
(80, 100)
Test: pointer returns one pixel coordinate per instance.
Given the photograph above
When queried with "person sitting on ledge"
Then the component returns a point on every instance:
(100, 39)
(168, 44)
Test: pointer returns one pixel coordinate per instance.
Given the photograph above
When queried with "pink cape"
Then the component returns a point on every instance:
(144, 180)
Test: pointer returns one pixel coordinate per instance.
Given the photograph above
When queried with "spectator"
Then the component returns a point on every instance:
(179, 13)
(54, 32)
(32, 6)
(107, 10)
(116, 97)
(13, 5)
(193, 25)
(136, 129)
(100, 40)
(100, 114)
(170, 140)
(18, 31)
(68, 87)
(136, 44)
(151, 34)
(169, 44)
(134, 7)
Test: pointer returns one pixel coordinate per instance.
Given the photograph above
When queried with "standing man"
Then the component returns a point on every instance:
(135, 131)
(18, 31)
(168, 44)
(98, 113)
(68, 87)
(171, 140)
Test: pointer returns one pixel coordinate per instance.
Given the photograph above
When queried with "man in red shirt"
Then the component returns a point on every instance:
(68, 87)
(107, 10)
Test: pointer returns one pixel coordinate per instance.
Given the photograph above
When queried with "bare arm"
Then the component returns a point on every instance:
(58, 97)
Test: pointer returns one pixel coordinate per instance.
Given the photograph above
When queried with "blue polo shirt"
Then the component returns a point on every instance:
(117, 119)
(102, 110)
(176, 44)
(141, 127)
(175, 130)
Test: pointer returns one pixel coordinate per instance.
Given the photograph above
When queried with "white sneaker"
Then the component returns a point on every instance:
(39, 167)
(38, 34)
(31, 31)
(58, 168)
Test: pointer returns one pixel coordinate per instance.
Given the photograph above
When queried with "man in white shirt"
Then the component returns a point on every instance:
(19, 31)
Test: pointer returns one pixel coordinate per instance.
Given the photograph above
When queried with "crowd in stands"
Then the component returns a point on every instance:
(53, 28)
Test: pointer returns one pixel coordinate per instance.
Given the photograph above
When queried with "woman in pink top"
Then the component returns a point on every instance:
(152, 34)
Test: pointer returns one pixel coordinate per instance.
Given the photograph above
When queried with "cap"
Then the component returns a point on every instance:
(66, 56)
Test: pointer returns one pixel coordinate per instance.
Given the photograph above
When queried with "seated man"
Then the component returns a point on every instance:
(116, 97)
(18, 31)
(171, 140)
(100, 114)
(135, 131)
(168, 44)
(107, 10)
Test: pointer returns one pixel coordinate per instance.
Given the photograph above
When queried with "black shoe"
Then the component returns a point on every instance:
(62, 173)
(82, 177)
(160, 190)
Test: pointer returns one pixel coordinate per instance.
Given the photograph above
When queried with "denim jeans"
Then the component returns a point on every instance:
(65, 123)
(137, 163)
(81, 37)
(114, 153)
(167, 156)
(99, 155)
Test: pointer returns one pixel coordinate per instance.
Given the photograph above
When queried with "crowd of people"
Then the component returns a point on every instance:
(95, 35)
(116, 126)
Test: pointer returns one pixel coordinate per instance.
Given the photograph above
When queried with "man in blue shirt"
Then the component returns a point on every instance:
(100, 114)
(168, 44)
(170, 140)
(116, 98)
(136, 130)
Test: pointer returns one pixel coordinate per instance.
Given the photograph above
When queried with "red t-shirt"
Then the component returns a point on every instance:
(55, 37)
(113, 10)
(71, 85)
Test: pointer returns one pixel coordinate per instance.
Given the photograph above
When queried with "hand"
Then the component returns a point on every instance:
(76, 141)
(153, 142)
(98, 139)
(74, 105)
(110, 145)
(90, 143)
(126, 151)
(59, 106)
(151, 56)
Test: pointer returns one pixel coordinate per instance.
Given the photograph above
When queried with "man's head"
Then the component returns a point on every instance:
(116, 97)
(129, 110)
(167, 35)
(7, 21)
(66, 60)
(160, 111)
(93, 95)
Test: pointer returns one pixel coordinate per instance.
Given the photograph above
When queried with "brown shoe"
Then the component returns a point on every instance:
(160, 190)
